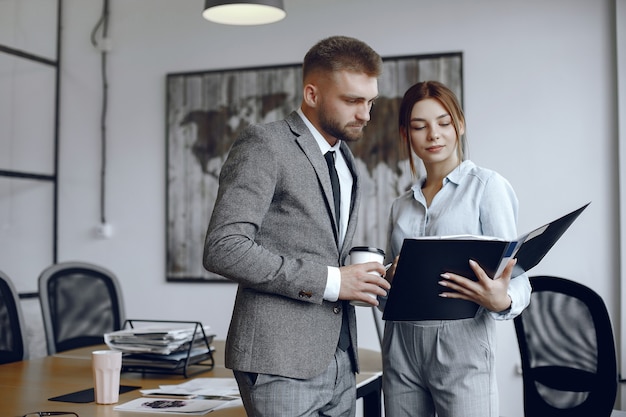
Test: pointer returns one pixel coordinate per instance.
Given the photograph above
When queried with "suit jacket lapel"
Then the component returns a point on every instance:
(309, 146)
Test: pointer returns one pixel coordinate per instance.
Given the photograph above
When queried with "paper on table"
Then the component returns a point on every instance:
(162, 405)
(205, 386)
(224, 388)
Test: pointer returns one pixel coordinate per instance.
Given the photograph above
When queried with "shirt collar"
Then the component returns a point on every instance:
(321, 142)
(461, 171)
(456, 176)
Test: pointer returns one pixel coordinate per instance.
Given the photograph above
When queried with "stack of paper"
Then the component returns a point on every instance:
(156, 339)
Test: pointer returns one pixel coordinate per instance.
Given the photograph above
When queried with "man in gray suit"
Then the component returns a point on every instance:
(278, 231)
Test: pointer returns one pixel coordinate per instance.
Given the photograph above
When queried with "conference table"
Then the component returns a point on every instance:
(26, 386)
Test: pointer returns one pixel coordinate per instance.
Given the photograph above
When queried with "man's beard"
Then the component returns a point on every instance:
(334, 129)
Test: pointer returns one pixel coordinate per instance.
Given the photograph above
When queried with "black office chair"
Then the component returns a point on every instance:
(13, 345)
(80, 302)
(569, 364)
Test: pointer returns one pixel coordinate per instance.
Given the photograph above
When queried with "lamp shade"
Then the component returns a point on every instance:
(244, 12)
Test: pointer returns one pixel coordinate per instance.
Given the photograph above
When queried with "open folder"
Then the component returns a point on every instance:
(414, 294)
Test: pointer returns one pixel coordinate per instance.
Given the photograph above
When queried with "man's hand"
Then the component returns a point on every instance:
(489, 293)
(358, 281)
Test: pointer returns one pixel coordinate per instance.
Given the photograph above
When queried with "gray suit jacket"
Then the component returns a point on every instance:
(272, 231)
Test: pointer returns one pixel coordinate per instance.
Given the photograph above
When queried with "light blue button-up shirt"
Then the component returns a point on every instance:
(473, 200)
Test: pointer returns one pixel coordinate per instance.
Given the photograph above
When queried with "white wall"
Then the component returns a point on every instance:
(539, 85)
(620, 47)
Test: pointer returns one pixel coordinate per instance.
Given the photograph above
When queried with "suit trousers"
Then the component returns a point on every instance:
(330, 394)
(444, 367)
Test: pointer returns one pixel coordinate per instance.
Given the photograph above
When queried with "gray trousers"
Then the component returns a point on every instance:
(443, 367)
(330, 394)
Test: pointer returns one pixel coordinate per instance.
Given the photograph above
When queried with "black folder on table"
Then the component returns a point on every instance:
(414, 293)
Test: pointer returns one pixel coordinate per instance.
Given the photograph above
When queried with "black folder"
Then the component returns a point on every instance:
(414, 293)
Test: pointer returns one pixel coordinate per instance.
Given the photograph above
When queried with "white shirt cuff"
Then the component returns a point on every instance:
(519, 291)
(333, 284)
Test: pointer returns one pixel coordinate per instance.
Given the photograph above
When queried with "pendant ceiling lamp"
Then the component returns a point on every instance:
(244, 12)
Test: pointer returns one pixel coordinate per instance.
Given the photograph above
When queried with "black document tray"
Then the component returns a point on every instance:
(196, 358)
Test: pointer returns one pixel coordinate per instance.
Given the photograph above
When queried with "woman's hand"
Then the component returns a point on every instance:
(489, 293)
(391, 271)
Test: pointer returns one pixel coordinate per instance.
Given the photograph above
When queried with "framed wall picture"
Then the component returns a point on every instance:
(207, 110)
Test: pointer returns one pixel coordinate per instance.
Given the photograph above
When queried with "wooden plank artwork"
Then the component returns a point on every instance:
(207, 110)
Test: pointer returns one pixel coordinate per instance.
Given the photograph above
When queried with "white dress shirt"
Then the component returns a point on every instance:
(333, 283)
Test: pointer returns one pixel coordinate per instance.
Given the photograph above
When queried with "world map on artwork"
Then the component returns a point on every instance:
(216, 130)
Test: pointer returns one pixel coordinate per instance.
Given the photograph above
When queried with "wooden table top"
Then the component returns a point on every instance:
(26, 386)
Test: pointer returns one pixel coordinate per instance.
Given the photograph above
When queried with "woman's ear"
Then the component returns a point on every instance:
(461, 129)
(403, 134)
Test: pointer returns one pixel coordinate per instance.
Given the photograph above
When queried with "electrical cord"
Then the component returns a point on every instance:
(103, 46)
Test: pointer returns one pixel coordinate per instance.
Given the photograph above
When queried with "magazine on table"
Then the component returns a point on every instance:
(197, 396)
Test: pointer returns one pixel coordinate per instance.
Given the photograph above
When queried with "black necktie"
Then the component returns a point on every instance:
(334, 181)
(344, 335)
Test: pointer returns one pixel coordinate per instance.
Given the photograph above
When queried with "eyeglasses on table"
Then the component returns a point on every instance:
(50, 413)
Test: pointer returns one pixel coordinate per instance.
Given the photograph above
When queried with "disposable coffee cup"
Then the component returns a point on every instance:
(363, 254)
(107, 365)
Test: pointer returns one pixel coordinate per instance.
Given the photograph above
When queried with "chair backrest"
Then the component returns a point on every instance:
(80, 302)
(13, 346)
(569, 363)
